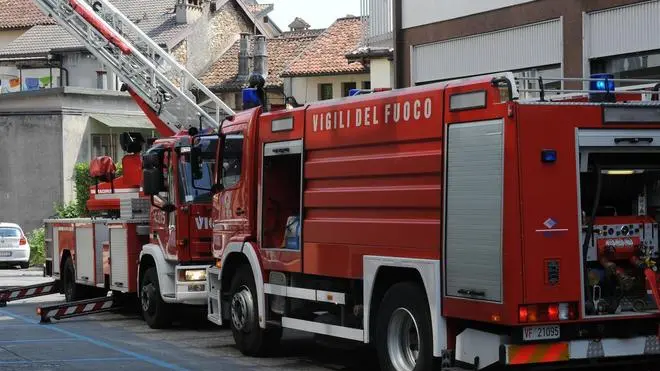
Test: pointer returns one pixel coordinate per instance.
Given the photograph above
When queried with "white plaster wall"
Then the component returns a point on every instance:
(382, 73)
(306, 89)
(8, 36)
(419, 12)
(75, 145)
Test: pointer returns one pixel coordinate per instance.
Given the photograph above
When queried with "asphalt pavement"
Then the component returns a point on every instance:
(122, 341)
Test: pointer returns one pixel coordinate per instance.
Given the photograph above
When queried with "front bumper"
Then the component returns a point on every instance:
(579, 350)
(190, 292)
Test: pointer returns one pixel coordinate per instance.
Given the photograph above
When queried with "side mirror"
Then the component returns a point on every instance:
(166, 206)
(196, 163)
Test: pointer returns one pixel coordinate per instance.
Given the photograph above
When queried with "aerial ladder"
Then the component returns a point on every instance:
(160, 85)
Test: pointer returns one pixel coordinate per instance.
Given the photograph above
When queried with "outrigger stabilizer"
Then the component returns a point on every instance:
(79, 308)
(26, 292)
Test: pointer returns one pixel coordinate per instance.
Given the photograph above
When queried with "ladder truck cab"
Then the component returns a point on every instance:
(157, 247)
(451, 225)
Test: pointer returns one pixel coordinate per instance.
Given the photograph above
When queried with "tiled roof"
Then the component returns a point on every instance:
(222, 75)
(302, 33)
(21, 14)
(327, 54)
(155, 17)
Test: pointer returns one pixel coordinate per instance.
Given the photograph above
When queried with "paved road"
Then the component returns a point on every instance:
(109, 342)
(124, 342)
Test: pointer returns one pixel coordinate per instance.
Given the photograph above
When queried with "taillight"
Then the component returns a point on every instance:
(522, 314)
(22, 241)
(547, 312)
(553, 312)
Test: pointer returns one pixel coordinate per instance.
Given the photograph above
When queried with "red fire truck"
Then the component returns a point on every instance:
(157, 247)
(452, 222)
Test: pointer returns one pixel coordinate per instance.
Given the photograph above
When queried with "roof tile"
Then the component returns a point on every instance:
(222, 75)
(159, 23)
(327, 54)
(21, 14)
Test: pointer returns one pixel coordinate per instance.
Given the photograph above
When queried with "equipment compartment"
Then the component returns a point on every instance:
(620, 203)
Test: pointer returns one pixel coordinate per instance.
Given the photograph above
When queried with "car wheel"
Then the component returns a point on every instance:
(25, 265)
(403, 332)
(250, 339)
(155, 311)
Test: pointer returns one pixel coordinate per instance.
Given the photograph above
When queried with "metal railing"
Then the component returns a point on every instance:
(644, 86)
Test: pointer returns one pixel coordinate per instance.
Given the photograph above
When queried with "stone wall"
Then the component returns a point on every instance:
(214, 33)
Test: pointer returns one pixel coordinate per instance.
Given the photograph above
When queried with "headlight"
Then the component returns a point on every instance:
(194, 275)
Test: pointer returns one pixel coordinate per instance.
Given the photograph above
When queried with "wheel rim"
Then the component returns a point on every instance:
(403, 340)
(145, 299)
(242, 309)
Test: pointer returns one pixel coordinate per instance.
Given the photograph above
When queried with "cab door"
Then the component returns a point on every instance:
(234, 205)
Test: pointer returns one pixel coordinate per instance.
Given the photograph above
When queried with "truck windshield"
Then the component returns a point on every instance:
(200, 191)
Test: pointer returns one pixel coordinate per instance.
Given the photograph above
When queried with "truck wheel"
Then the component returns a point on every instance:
(251, 339)
(69, 281)
(403, 330)
(155, 311)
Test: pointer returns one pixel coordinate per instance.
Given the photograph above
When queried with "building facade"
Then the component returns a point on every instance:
(323, 70)
(532, 38)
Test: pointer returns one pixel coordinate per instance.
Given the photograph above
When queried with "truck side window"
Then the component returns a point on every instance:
(232, 155)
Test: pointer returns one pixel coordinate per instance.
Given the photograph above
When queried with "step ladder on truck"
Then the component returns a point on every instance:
(153, 248)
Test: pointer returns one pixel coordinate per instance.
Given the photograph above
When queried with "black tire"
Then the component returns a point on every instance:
(155, 311)
(25, 265)
(404, 300)
(250, 339)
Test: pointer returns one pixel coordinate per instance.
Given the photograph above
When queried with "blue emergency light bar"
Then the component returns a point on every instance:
(250, 98)
(602, 88)
(602, 82)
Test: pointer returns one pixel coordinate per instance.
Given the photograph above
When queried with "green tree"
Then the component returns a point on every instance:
(37, 242)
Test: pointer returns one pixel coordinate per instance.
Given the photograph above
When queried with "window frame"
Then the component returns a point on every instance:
(320, 92)
(221, 168)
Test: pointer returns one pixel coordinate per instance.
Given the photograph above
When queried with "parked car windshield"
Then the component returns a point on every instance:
(9, 232)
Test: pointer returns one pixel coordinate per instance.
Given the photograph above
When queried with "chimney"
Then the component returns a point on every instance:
(188, 11)
(244, 57)
(260, 56)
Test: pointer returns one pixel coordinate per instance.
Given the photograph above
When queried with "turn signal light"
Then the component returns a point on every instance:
(22, 241)
(547, 312)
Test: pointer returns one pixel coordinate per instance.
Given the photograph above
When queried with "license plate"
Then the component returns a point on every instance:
(5, 254)
(541, 333)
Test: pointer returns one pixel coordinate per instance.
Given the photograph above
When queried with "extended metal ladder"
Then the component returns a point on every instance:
(149, 71)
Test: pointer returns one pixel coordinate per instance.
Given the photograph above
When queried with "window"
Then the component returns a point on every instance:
(9, 232)
(346, 88)
(103, 145)
(631, 66)
(366, 85)
(325, 91)
(101, 80)
(195, 186)
(232, 156)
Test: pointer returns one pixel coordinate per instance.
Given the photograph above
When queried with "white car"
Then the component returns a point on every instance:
(14, 246)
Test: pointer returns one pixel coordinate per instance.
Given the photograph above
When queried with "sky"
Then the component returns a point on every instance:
(318, 13)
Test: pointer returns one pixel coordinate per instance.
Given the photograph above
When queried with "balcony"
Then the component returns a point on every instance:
(380, 23)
